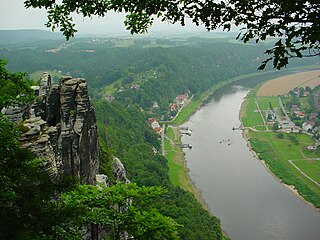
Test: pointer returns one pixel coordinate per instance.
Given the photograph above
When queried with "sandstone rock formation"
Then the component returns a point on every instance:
(60, 126)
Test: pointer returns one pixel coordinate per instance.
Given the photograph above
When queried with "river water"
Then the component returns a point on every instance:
(250, 202)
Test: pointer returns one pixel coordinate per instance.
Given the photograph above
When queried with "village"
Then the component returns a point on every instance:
(298, 112)
(174, 108)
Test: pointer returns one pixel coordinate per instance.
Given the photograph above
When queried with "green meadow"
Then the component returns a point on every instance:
(251, 117)
(266, 103)
(312, 167)
(178, 172)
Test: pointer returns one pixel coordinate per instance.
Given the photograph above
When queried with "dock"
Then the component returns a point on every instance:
(186, 145)
(186, 131)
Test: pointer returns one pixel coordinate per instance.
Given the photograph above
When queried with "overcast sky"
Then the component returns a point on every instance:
(13, 15)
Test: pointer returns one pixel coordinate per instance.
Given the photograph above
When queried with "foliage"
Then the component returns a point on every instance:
(119, 209)
(280, 135)
(26, 189)
(294, 23)
(293, 139)
(31, 207)
(275, 127)
(124, 129)
(14, 88)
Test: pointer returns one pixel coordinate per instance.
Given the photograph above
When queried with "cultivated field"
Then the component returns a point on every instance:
(283, 85)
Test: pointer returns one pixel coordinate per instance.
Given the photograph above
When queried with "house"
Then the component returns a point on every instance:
(294, 107)
(300, 114)
(315, 129)
(311, 148)
(173, 107)
(296, 91)
(153, 119)
(36, 90)
(270, 115)
(181, 99)
(285, 124)
(155, 125)
(313, 115)
(306, 93)
(158, 130)
(155, 105)
(307, 126)
(135, 86)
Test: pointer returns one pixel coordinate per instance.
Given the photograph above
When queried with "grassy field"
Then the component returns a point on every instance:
(312, 167)
(264, 103)
(250, 115)
(178, 172)
(277, 152)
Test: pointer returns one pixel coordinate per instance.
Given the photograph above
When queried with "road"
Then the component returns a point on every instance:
(264, 121)
(162, 140)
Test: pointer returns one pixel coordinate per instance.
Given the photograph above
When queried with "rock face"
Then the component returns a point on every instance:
(119, 170)
(61, 127)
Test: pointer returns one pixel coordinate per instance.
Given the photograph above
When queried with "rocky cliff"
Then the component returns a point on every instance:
(60, 126)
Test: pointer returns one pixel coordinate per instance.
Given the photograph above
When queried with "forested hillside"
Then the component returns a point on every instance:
(125, 132)
(162, 68)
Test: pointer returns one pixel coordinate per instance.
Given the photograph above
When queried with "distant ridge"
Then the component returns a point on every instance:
(26, 35)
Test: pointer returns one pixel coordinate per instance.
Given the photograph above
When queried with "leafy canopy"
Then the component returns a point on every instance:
(14, 87)
(296, 23)
(119, 209)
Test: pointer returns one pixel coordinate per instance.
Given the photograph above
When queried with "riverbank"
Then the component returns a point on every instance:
(173, 169)
(178, 170)
(267, 146)
(290, 187)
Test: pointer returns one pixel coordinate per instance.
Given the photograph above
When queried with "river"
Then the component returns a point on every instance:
(250, 202)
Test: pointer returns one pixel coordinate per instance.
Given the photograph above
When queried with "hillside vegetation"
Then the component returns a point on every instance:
(133, 74)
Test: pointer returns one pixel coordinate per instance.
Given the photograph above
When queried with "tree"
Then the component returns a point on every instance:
(26, 189)
(14, 87)
(295, 24)
(118, 210)
(275, 126)
(280, 135)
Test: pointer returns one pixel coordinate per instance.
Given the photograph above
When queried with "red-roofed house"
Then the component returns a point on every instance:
(153, 119)
(173, 107)
(158, 130)
(300, 114)
(181, 99)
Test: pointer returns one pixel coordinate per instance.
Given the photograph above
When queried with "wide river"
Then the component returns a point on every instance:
(250, 202)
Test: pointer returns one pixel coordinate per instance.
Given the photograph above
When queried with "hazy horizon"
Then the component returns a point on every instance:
(14, 16)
